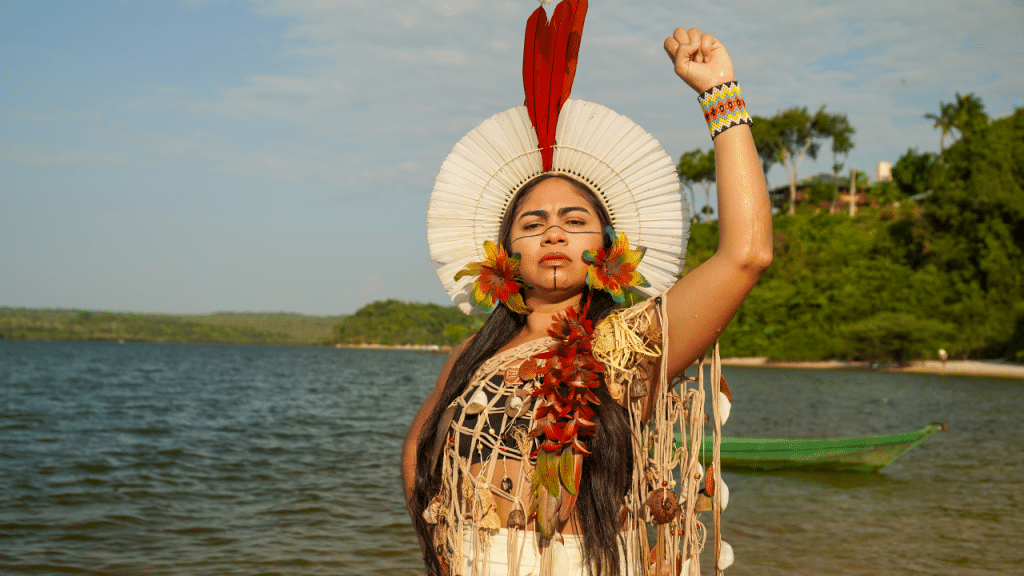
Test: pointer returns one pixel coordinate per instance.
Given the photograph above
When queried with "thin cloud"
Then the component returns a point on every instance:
(46, 156)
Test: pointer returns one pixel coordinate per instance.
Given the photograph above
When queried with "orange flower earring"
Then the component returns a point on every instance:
(497, 279)
(614, 268)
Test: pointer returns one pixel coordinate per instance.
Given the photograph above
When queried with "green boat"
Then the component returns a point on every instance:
(862, 454)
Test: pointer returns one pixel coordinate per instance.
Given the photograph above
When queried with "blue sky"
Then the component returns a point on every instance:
(192, 156)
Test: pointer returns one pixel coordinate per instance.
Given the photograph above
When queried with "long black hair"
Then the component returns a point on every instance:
(606, 470)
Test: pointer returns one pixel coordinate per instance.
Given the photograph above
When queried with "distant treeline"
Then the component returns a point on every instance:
(233, 327)
(393, 322)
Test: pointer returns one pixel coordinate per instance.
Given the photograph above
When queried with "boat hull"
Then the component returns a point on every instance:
(860, 454)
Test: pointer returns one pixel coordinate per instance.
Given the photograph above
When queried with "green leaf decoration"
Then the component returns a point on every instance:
(471, 269)
(517, 305)
(546, 509)
(547, 468)
(567, 470)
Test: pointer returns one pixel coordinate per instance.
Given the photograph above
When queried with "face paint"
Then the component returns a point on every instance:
(558, 225)
(545, 231)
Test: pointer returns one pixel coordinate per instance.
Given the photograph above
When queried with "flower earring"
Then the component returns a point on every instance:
(497, 279)
(614, 268)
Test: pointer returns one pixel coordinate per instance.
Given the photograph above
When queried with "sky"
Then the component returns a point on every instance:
(194, 156)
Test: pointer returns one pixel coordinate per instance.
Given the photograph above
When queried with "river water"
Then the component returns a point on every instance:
(164, 459)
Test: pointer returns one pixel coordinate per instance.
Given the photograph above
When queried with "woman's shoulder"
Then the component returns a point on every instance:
(454, 357)
(461, 347)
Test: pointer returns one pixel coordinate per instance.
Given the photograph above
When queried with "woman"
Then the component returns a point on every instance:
(546, 445)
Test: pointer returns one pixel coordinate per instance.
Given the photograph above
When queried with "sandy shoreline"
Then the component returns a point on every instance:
(952, 367)
(415, 347)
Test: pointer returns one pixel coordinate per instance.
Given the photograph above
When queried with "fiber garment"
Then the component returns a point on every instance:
(507, 413)
(481, 515)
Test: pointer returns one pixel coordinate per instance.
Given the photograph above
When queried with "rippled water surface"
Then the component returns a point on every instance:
(161, 459)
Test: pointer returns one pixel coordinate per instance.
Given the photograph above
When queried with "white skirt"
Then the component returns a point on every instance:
(566, 557)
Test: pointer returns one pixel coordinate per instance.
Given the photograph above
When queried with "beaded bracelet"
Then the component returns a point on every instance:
(724, 108)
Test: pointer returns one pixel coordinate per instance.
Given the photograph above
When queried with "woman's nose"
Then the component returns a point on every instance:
(554, 235)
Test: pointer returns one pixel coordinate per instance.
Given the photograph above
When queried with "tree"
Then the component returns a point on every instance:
(837, 127)
(895, 285)
(944, 122)
(914, 173)
(976, 223)
(391, 322)
(885, 192)
(966, 115)
(969, 118)
(698, 167)
(786, 138)
(894, 337)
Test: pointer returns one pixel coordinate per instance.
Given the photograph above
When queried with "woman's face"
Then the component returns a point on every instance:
(554, 224)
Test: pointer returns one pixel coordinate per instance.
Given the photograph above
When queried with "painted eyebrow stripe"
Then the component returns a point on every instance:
(543, 232)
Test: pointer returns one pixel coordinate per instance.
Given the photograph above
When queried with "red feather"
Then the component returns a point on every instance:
(549, 66)
(561, 21)
(573, 48)
(529, 50)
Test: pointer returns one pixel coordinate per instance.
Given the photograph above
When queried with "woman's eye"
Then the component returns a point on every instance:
(532, 226)
(576, 222)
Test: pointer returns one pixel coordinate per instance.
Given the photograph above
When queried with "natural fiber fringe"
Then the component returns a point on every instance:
(515, 549)
(449, 526)
(716, 404)
(618, 345)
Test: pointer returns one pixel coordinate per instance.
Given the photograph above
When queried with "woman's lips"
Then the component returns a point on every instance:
(554, 259)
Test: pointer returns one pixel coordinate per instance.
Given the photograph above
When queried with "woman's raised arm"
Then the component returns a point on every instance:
(702, 303)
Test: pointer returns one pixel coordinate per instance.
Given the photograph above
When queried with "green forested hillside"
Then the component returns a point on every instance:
(905, 278)
(298, 327)
(392, 322)
(239, 327)
(834, 290)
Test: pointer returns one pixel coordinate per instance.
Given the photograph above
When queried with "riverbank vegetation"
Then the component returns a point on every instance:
(394, 323)
(936, 261)
(383, 323)
(233, 327)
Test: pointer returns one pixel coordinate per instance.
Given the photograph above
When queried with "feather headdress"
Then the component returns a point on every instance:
(623, 165)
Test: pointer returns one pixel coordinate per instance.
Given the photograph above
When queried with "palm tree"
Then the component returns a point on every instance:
(944, 121)
(969, 117)
(966, 115)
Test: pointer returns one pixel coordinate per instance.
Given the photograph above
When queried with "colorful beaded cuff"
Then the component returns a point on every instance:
(724, 108)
